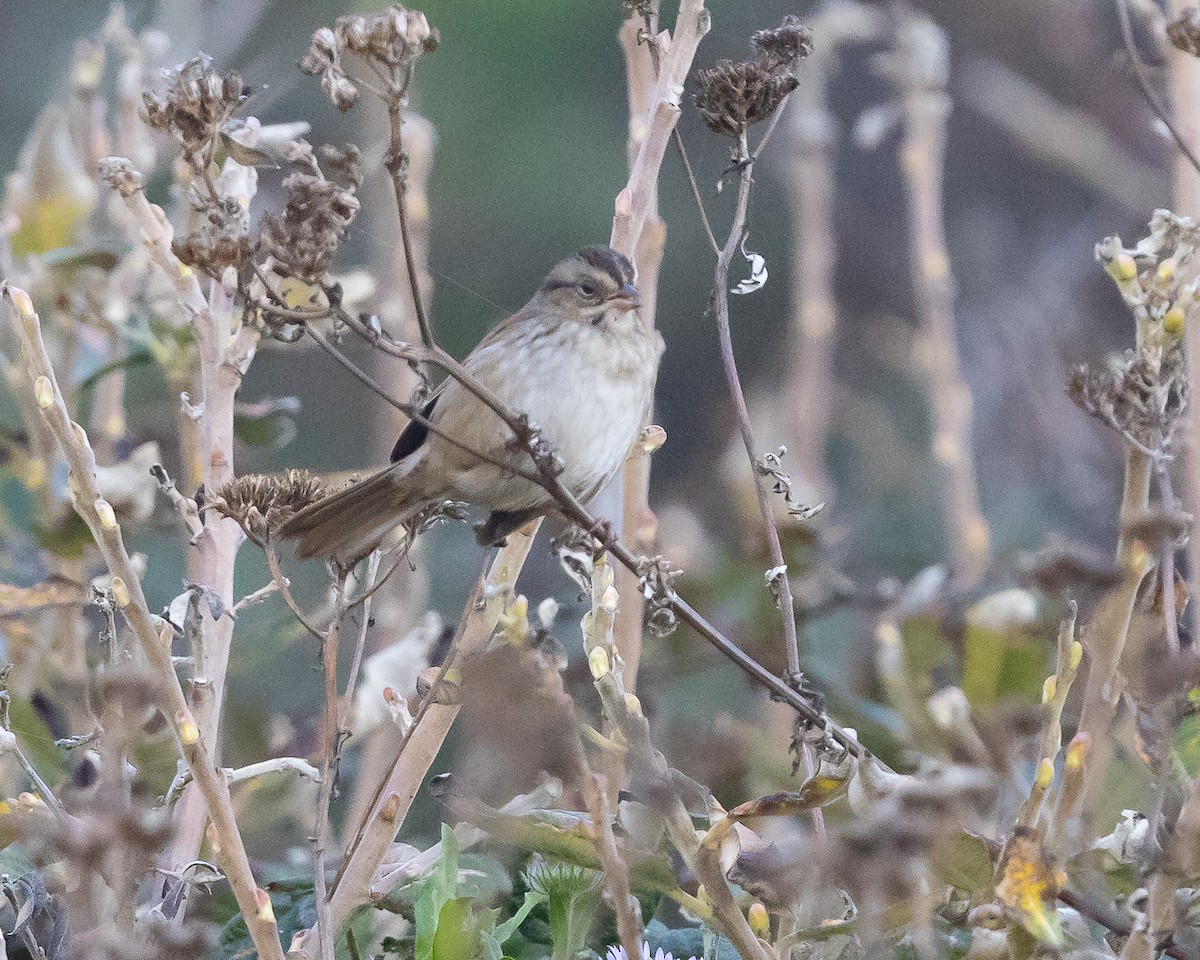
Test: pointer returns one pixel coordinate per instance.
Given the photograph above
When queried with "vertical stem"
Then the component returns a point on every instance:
(331, 738)
(787, 607)
(1185, 95)
(809, 181)
(926, 108)
(634, 481)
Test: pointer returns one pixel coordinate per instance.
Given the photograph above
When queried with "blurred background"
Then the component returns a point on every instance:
(1049, 149)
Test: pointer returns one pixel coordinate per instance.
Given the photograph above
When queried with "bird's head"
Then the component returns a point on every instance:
(594, 285)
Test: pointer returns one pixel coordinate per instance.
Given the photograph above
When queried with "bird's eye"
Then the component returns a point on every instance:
(588, 290)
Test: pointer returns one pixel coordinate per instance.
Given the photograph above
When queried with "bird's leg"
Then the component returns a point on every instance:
(500, 523)
(606, 532)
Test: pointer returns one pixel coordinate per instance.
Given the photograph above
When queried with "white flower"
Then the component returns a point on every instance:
(618, 953)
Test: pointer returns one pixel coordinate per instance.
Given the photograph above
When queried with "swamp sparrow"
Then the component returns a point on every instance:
(577, 360)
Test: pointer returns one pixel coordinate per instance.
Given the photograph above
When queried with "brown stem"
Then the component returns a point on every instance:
(781, 584)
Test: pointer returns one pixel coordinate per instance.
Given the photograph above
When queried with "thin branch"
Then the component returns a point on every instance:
(1148, 91)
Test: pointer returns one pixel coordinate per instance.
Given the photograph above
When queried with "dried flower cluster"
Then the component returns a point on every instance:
(219, 238)
(259, 503)
(1142, 392)
(317, 213)
(198, 99)
(394, 39)
(785, 46)
(732, 97)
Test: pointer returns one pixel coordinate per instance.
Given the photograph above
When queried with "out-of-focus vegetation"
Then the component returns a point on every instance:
(989, 397)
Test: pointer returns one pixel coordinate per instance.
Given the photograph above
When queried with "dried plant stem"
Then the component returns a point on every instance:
(193, 747)
(922, 154)
(778, 580)
(653, 776)
(1108, 630)
(1185, 96)
(393, 799)
(616, 873)
(331, 741)
(808, 161)
(641, 71)
(729, 363)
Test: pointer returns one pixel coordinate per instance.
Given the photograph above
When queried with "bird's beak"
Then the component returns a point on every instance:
(627, 298)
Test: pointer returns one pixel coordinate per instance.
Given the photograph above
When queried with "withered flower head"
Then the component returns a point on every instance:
(394, 39)
(260, 503)
(734, 96)
(1184, 31)
(785, 46)
(119, 173)
(1134, 393)
(198, 99)
(220, 238)
(317, 213)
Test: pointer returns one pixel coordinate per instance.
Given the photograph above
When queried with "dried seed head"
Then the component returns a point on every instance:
(221, 237)
(316, 216)
(1184, 31)
(198, 99)
(118, 173)
(785, 46)
(394, 38)
(260, 503)
(734, 96)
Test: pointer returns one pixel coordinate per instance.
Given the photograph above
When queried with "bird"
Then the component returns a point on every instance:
(578, 360)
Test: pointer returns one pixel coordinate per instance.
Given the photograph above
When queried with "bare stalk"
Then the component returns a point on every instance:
(641, 69)
(777, 581)
(1185, 95)
(922, 69)
(193, 747)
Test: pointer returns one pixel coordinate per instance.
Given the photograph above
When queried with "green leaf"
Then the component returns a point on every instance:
(509, 926)
(456, 937)
(268, 423)
(1001, 665)
(436, 891)
(67, 537)
(295, 910)
(138, 358)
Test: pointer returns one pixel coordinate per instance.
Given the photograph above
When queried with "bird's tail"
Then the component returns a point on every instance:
(351, 522)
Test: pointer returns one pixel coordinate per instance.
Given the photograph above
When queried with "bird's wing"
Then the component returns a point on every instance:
(416, 431)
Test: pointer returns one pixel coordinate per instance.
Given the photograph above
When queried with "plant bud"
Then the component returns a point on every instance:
(760, 920)
(120, 592)
(1077, 751)
(633, 706)
(1049, 688)
(43, 392)
(1124, 267)
(104, 511)
(599, 662)
(390, 809)
(1045, 773)
(22, 302)
(1074, 654)
(1166, 270)
(189, 733)
(1174, 322)
(266, 912)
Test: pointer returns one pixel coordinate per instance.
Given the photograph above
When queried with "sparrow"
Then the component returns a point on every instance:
(577, 360)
